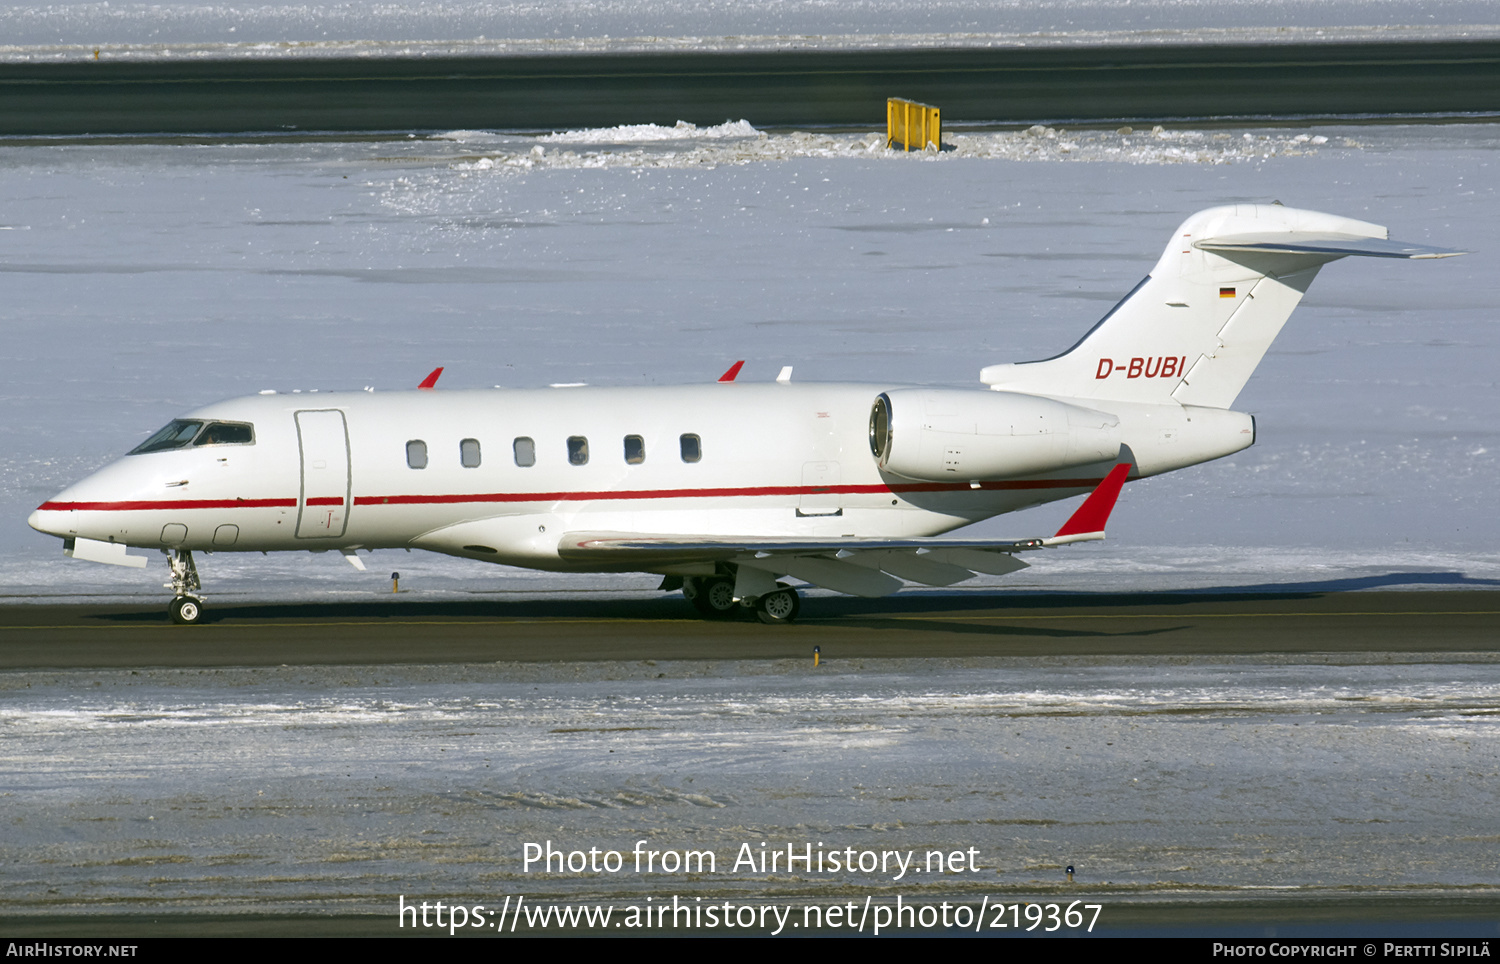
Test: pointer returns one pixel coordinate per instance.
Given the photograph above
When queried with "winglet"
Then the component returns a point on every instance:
(430, 382)
(1087, 524)
(733, 371)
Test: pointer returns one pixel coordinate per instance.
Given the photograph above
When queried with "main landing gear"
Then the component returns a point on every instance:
(781, 606)
(187, 605)
(713, 597)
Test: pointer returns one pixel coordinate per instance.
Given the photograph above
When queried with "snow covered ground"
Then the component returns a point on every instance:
(141, 278)
(278, 26)
(333, 789)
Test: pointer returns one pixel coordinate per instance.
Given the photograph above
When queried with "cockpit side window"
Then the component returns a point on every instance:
(226, 433)
(177, 434)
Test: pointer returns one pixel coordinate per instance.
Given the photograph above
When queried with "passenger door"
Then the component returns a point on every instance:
(323, 504)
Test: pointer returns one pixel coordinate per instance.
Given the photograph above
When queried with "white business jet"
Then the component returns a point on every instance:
(723, 489)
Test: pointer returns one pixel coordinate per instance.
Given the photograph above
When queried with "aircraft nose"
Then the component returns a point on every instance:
(47, 522)
(52, 518)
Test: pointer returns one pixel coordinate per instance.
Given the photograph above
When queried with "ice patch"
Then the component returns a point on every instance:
(462, 137)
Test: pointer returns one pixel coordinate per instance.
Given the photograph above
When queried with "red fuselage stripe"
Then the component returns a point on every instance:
(604, 496)
(146, 505)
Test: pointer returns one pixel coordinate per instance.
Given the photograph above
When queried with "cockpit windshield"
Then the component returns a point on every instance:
(181, 432)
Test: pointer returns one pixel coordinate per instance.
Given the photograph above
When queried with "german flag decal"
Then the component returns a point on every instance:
(1226, 292)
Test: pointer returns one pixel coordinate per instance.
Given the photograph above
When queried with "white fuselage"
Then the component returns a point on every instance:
(336, 471)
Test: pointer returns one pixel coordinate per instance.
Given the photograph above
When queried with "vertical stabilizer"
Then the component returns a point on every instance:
(1196, 327)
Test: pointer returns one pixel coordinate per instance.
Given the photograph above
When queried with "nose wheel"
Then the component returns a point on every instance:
(186, 610)
(186, 607)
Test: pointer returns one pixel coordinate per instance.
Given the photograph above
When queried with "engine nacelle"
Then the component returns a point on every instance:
(937, 435)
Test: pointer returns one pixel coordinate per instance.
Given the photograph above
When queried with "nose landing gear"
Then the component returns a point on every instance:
(186, 610)
(187, 606)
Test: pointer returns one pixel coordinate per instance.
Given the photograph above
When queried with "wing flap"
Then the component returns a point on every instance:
(991, 563)
(913, 566)
(833, 574)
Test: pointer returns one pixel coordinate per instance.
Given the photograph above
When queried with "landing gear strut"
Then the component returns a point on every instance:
(187, 605)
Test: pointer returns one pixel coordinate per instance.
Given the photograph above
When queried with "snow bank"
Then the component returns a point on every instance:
(688, 146)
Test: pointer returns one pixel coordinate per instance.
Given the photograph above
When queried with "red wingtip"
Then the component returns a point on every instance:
(733, 371)
(1094, 513)
(430, 382)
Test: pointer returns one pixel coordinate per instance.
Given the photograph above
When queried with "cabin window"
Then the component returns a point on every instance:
(226, 433)
(635, 449)
(525, 450)
(468, 453)
(692, 448)
(176, 434)
(416, 454)
(578, 450)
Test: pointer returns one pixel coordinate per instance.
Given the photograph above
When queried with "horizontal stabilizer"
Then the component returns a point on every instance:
(1333, 245)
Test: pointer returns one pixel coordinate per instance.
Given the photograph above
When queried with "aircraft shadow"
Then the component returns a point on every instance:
(885, 612)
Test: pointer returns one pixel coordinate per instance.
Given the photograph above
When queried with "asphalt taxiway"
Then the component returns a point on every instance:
(114, 94)
(412, 631)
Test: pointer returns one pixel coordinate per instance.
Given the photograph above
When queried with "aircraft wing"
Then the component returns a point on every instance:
(858, 566)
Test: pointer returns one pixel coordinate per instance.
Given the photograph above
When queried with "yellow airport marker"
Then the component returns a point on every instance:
(1070, 873)
(395, 582)
(817, 654)
(912, 125)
